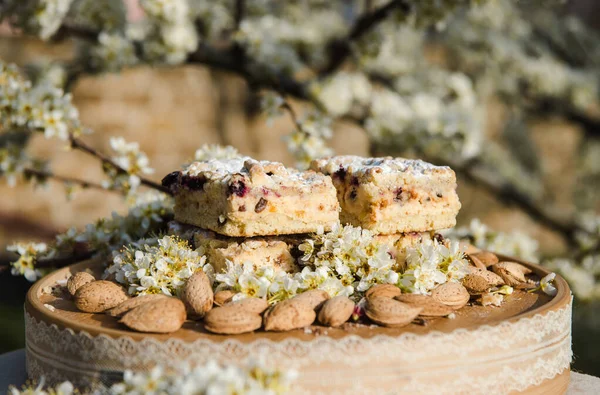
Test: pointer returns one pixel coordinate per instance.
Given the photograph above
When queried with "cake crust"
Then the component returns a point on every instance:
(392, 195)
(244, 197)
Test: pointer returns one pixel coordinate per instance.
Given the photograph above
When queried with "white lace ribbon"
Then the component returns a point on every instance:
(498, 359)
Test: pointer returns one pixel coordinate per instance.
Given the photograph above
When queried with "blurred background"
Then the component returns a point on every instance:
(173, 111)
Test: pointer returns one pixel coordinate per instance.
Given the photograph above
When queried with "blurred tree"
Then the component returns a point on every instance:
(414, 74)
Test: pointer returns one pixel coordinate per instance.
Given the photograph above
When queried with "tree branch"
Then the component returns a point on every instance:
(65, 179)
(80, 145)
(339, 50)
(238, 15)
(507, 193)
(231, 59)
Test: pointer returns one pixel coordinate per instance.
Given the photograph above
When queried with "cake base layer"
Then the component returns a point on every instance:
(523, 346)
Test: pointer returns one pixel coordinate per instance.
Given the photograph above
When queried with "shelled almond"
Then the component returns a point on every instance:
(390, 312)
(222, 297)
(164, 315)
(197, 294)
(336, 311)
(77, 280)
(315, 298)
(512, 273)
(451, 294)
(98, 296)
(290, 314)
(130, 304)
(231, 319)
(430, 306)
(383, 290)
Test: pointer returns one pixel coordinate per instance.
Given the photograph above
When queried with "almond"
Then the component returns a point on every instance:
(252, 305)
(492, 278)
(512, 273)
(231, 319)
(336, 311)
(98, 296)
(431, 307)
(468, 248)
(476, 284)
(314, 298)
(164, 315)
(222, 297)
(290, 314)
(77, 280)
(132, 303)
(472, 258)
(198, 294)
(451, 294)
(390, 312)
(383, 290)
(485, 257)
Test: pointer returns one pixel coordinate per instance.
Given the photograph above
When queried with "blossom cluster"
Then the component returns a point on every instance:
(497, 43)
(163, 266)
(28, 254)
(64, 388)
(41, 107)
(254, 377)
(208, 378)
(147, 215)
(168, 34)
(430, 264)
(433, 110)
(275, 285)
(130, 159)
(351, 254)
(348, 261)
(514, 244)
(40, 17)
(287, 42)
(27, 108)
(307, 141)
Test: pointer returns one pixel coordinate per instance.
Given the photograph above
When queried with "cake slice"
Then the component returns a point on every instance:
(392, 195)
(280, 252)
(275, 251)
(245, 197)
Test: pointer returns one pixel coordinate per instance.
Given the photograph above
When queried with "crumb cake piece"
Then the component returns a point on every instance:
(275, 251)
(278, 251)
(245, 197)
(392, 195)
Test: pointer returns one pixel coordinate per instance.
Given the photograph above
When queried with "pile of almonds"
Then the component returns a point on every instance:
(384, 304)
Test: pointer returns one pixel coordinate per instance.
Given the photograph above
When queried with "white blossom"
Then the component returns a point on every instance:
(430, 264)
(307, 141)
(28, 253)
(547, 286)
(158, 268)
(113, 52)
(129, 158)
(271, 104)
(64, 388)
(255, 377)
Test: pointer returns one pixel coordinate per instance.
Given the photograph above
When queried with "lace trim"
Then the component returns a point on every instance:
(510, 356)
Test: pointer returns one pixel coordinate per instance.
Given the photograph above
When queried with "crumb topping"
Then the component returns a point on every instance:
(356, 165)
